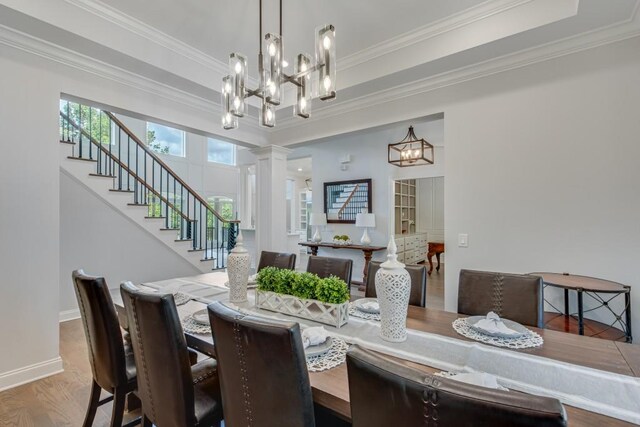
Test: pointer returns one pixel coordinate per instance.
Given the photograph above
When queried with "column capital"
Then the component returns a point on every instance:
(269, 151)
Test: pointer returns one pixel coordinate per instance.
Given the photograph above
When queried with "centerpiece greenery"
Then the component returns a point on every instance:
(331, 290)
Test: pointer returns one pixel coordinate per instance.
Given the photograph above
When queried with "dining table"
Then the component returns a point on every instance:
(582, 360)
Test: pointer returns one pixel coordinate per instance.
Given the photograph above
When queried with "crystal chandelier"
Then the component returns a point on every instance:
(411, 151)
(234, 92)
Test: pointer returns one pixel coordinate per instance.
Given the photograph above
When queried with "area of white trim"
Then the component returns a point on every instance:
(30, 373)
(67, 315)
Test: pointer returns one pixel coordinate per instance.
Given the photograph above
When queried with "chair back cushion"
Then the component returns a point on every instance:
(277, 259)
(516, 297)
(262, 369)
(101, 329)
(165, 385)
(418, 273)
(382, 392)
(325, 267)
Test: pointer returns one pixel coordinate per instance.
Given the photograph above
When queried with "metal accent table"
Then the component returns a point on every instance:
(593, 287)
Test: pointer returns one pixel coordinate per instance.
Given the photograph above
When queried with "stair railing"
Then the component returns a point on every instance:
(100, 137)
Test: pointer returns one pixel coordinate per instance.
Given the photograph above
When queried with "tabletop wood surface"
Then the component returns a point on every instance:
(336, 246)
(331, 389)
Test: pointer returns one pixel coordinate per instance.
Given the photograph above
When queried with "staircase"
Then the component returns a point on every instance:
(101, 153)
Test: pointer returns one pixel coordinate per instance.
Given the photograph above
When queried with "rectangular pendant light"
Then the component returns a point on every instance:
(303, 92)
(272, 68)
(238, 71)
(326, 57)
(229, 121)
(268, 115)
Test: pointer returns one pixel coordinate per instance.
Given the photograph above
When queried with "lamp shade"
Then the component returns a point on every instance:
(318, 219)
(365, 220)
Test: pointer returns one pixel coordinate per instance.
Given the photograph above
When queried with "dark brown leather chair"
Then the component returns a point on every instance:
(277, 259)
(173, 393)
(325, 267)
(516, 297)
(384, 392)
(112, 362)
(263, 370)
(418, 273)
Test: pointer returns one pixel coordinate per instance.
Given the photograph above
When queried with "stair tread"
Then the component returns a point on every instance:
(82, 158)
(169, 229)
(183, 240)
(67, 142)
(155, 217)
(101, 175)
(138, 204)
(120, 191)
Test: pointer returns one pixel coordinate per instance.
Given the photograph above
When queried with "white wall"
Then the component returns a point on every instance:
(101, 240)
(368, 152)
(29, 227)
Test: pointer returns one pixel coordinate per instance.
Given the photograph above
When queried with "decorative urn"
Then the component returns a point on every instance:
(393, 286)
(238, 264)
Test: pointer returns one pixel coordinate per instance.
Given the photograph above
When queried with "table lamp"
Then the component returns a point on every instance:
(365, 220)
(317, 220)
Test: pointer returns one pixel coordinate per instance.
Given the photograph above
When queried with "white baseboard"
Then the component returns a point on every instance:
(30, 373)
(69, 315)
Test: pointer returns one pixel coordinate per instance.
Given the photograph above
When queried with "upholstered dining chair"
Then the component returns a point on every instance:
(418, 273)
(263, 371)
(277, 259)
(326, 266)
(173, 393)
(516, 297)
(112, 361)
(383, 391)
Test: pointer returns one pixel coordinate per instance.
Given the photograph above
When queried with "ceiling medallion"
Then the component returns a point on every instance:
(234, 91)
(411, 151)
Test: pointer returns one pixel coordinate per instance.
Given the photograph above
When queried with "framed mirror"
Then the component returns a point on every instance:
(343, 200)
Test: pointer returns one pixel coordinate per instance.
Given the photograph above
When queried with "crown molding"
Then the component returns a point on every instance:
(152, 34)
(50, 51)
(623, 30)
(431, 30)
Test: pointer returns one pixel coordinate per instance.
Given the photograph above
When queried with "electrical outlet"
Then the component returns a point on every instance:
(463, 240)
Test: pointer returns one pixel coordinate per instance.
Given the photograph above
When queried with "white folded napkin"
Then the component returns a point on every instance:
(314, 336)
(370, 305)
(492, 324)
(481, 379)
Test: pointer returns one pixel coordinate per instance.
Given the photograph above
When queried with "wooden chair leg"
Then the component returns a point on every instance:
(117, 413)
(94, 398)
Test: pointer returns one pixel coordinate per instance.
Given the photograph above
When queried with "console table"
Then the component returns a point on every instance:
(600, 290)
(434, 248)
(366, 250)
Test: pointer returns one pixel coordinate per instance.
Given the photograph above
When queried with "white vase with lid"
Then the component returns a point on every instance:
(393, 286)
(238, 265)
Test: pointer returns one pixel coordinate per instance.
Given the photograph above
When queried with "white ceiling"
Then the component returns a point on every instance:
(219, 27)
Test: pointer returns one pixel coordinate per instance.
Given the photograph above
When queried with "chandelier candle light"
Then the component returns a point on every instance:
(365, 220)
(234, 92)
(318, 220)
(411, 151)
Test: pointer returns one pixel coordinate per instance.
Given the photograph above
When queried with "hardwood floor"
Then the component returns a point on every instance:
(60, 400)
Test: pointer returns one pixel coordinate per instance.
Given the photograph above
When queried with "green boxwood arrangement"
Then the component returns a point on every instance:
(332, 290)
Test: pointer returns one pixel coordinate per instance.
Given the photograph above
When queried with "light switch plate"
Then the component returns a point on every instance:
(463, 240)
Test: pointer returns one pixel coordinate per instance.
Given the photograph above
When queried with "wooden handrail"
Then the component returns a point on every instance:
(348, 200)
(167, 168)
(125, 167)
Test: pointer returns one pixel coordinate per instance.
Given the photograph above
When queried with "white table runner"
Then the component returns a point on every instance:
(598, 391)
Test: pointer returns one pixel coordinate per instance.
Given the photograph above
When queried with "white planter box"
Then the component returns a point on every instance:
(329, 314)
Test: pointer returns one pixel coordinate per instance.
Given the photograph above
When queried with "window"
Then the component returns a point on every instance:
(165, 140)
(221, 152)
(224, 206)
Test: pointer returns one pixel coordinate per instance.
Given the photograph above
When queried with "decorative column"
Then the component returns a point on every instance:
(238, 264)
(271, 198)
(393, 286)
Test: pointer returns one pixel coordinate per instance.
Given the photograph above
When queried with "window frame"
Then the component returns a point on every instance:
(184, 141)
